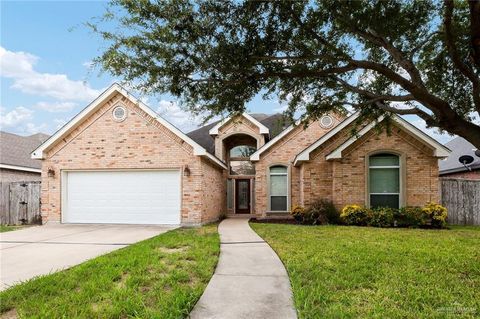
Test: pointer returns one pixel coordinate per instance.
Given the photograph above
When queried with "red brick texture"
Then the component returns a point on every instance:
(139, 142)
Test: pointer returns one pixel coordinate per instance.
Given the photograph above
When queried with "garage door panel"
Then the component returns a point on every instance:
(132, 197)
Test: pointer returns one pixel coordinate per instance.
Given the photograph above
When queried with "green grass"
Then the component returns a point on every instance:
(5, 228)
(360, 272)
(162, 277)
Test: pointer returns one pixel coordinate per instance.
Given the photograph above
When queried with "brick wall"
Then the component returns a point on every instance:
(283, 153)
(472, 175)
(139, 142)
(344, 180)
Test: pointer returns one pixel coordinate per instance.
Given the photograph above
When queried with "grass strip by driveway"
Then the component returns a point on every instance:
(360, 272)
(162, 277)
(5, 228)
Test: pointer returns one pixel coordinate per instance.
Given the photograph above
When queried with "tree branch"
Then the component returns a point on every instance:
(453, 52)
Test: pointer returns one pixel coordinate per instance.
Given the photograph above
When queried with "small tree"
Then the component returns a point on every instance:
(379, 57)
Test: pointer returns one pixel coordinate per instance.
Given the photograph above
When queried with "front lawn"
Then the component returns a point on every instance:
(162, 277)
(362, 272)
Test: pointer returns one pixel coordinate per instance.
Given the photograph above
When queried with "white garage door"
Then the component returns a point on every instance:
(122, 197)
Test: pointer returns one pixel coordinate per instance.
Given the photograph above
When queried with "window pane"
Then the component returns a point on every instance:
(384, 201)
(229, 193)
(278, 185)
(384, 160)
(278, 203)
(242, 168)
(242, 151)
(384, 180)
(278, 170)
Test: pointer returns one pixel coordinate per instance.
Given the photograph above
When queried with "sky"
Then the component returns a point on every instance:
(46, 74)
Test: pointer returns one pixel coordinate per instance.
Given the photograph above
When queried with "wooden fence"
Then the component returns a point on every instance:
(462, 199)
(20, 203)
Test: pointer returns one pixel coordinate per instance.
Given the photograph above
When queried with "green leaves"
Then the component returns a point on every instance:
(215, 56)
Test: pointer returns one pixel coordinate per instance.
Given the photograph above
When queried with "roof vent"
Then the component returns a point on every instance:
(326, 121)
(119, 113)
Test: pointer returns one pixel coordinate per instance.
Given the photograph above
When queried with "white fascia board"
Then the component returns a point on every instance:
(114, 88)
(20, 168)
(440, 150)
(337, 153)
(256, 156)
(305, 154)
(263, 129)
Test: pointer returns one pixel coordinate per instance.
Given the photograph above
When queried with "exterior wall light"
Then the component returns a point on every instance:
(51, 172)
(186, 171)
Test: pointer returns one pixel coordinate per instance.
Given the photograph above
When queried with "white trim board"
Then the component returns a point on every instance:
(198, 150)
(439, 150)
(305, 154)
(256, 156)
(263, 129)
(20, 168)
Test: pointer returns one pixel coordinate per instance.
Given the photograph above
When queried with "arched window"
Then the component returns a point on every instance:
(242, 151)
(278, 188)
(384, 180)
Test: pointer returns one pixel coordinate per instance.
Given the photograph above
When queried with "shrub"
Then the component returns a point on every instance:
(355, 215)
(435, 214)
(325, 211)
(409, 216)
(381, 217)
(298, 213)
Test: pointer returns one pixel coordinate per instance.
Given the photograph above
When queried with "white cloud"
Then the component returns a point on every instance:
(56, 106)
(15, 117)
(19, 66)
(32, 128)
(182, 119)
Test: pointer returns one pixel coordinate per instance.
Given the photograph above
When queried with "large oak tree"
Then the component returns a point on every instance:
(379, 57)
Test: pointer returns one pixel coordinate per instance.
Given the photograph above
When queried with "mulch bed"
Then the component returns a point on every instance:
(290, 221)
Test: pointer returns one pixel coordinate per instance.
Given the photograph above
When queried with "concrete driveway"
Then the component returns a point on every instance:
(40, 250)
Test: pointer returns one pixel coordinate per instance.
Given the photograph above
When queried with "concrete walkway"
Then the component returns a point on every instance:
(40, 250)
(250, 280)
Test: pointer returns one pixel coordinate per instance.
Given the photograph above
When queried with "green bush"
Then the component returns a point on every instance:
(320, 212)
(355, 215)
(409, 216)
(381, 217)
(435, 215)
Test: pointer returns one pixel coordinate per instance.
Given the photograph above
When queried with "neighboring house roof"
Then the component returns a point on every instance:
(15, 151)
(263, 129)
(115, 88)
(459, 147)
(275, 123)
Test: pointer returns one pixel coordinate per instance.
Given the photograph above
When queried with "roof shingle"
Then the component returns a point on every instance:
(15, 149)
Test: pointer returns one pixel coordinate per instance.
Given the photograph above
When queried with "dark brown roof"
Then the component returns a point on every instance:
(15, 149)
(276, 123)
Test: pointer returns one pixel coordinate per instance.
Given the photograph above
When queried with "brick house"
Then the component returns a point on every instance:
(117, 161)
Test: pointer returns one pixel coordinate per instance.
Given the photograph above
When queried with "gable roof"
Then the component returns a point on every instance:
(15, 151)
(438, 149)
(274, 123)
(115, 88)
(459, 147)
(263, 129)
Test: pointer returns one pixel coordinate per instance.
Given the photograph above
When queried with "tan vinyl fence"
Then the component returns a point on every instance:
(462, 199)
(20, 203)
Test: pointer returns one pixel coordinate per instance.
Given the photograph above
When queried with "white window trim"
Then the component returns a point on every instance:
(269, 204)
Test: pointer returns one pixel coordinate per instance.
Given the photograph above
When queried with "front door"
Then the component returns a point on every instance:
(242, 196)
